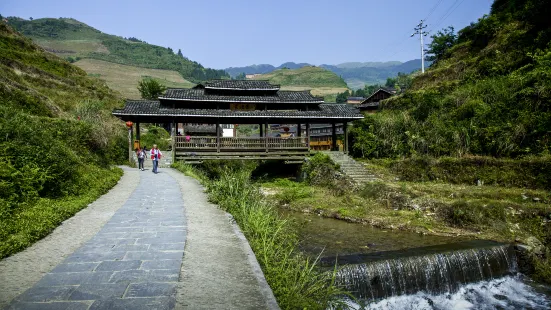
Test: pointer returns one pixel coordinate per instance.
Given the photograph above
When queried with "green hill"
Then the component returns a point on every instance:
(489, 94)
(73, 40)
(320, 81)
(58, 140)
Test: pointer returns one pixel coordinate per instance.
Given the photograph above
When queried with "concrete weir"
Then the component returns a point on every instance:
(153, 241)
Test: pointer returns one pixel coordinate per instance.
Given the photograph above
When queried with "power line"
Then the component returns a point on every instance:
(447, 14)
(432, 10)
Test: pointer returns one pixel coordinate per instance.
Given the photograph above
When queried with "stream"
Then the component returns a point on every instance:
(389, 269)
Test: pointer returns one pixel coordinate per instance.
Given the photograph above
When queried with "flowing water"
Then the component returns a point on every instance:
(401, 270)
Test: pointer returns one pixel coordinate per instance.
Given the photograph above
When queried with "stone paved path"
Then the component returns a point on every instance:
(143, 257)
(132, 263)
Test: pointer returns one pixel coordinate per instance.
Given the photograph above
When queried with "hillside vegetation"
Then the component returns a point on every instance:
(58, 141)
(125, 78)
(71, 39)
(355, 74)
(489, 94)
(320, 81)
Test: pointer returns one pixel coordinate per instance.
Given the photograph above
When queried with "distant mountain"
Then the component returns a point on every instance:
(355, 74)
(74, 40)
(319, 81)
(350, 65)
(264, 68)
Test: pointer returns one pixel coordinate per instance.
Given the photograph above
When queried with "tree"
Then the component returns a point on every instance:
(442, 41)
(390, 82)
(31, 18)
(150, 88)
(240, 76)
(341, 98)
(180, 53)
(170, 50)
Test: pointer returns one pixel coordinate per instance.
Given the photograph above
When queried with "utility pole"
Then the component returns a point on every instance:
(422, 33)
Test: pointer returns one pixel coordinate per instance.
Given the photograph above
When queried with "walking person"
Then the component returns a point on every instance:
(141, 157)
(155, 157)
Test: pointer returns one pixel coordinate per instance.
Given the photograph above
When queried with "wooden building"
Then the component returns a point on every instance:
(239, 102)
(371, 103)
(321, 136)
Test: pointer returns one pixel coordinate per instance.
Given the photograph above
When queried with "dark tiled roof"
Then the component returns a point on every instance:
(153, 108)
(388, 90)
(280, 97)
(240, 85)
(369, 104)
(325, 125)
(200, 128)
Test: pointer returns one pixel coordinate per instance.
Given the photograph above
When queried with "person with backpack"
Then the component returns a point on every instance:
(155, 157)
(141, 157)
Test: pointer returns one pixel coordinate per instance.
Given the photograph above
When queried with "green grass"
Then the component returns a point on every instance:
(294, 278)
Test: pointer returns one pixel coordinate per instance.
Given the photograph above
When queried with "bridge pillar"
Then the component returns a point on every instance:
(308, 135)
(334, 137)
(299, 130)
(345, 131)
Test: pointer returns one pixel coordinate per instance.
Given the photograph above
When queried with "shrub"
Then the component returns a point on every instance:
(155, 135)
(295, 280)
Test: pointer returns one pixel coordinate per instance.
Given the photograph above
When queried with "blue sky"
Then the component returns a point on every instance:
(224, 33)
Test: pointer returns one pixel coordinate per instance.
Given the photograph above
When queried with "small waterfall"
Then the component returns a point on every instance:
(424, 271)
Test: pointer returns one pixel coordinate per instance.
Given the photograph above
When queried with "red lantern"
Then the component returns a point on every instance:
(129, 124)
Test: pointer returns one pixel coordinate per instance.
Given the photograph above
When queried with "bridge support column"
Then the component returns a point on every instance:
(217, 136)
(334, 137)
(130, 143)
(138, 132)
(299, 130)
(266, 136)
(308, 135)
(345, 131)
(261, 126)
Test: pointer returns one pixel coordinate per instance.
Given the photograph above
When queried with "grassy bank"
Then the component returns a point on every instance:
(59, 140)
(294, 278)
(34, 220)
(434, 207)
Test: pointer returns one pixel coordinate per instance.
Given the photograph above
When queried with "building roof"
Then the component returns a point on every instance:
(240, 85)
(198, 94)
(368, 104)
(315, 126)
(145, 108)
(200, 128)
(355, 98)
(388, 90)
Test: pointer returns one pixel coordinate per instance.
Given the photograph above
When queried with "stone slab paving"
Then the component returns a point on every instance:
(133, 262)
(21, 271)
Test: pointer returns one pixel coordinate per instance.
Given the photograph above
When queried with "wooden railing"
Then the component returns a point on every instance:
(240, 143)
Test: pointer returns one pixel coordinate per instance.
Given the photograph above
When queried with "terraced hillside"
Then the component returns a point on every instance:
(125, 78)
(73, 40)
(321, 82)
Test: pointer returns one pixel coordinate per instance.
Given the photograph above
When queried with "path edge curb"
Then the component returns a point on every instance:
(271, 301)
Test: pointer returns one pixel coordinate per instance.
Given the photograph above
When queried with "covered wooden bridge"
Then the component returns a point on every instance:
(222, 102)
